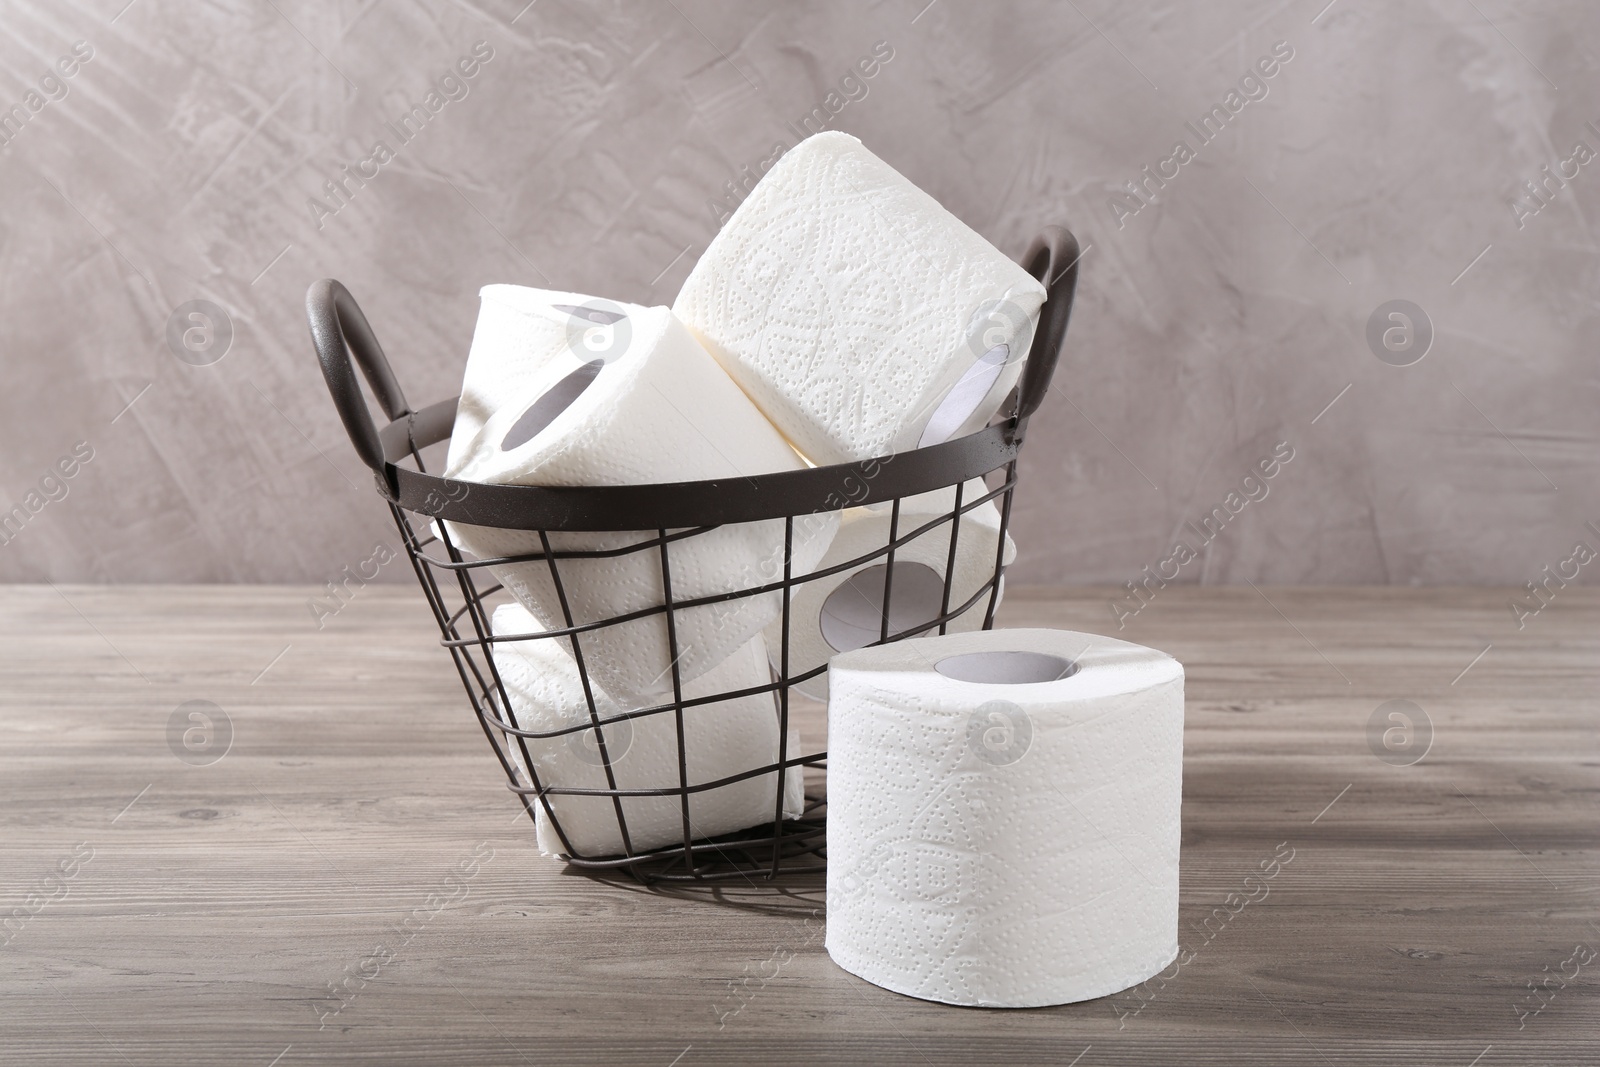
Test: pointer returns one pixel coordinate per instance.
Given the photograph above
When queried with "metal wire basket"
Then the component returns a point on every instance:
(461, 590)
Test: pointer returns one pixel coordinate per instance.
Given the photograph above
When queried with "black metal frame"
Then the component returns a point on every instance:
(675, 511)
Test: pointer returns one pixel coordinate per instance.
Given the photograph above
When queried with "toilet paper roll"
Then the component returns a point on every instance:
(844, 611)
(720, 739)
(519, 331)
(861, 316)
(1003, 815)
(633, 399)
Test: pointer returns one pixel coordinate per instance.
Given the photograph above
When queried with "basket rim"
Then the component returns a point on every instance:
(677, 505)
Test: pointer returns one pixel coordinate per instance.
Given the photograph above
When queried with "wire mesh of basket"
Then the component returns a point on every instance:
(462, 591)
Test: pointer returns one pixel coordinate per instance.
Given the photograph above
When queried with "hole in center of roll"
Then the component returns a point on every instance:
(599, 316)
(964, 397)
(556, 399)
(1006, 668)
(852, 615)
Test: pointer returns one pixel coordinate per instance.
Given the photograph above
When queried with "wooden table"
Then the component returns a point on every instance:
(202, 913)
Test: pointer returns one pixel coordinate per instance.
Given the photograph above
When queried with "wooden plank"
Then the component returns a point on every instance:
(221, 901)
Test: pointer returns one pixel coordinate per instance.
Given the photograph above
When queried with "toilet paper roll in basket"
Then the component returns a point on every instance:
(862, 317)
(719, 740)
(618, 395)
(519, 331)
(844, 611)
(1003, 815)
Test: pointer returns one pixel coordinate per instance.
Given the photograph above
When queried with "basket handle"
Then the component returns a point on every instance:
(338, 329)
(1053, 259)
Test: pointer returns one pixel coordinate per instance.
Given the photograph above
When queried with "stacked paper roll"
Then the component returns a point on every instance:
(844, 611)
(1003, 815)
(559, 398)
(861, 317)
(720, 740)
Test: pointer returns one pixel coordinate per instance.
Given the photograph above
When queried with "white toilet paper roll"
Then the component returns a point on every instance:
(861, 316)
(634, 399)
(720, 740)
(519, 331)
(1003, 815)
(844, 611)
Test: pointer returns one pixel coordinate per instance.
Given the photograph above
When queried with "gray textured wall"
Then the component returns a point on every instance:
(1221, 318)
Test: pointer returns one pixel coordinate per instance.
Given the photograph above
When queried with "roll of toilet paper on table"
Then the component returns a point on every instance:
(861, 316)
(559, 394)
(1003, 815)
(844, 611)
(720, 740)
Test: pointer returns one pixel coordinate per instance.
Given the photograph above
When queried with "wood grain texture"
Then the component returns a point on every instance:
(221, 902)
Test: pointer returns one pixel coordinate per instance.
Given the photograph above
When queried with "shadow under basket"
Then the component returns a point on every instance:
(462, 591)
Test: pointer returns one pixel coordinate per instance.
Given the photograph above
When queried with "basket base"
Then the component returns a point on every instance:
(746, 855)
